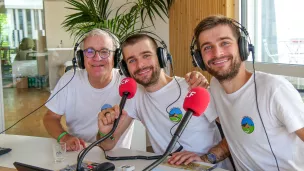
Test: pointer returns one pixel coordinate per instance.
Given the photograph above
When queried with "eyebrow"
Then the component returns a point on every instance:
(145, 52)
(141, 53)
(221, 38)
(131, 57)
(103, 48)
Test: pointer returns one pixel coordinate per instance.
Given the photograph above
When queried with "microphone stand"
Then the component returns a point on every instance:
(176, 136)
(121, 106)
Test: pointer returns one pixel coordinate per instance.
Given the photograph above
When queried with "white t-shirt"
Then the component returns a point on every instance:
(154, 111)
(81, 103)
(282, 112)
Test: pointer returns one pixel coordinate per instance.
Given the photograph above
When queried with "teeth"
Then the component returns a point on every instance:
(144, 71)
(219, 62)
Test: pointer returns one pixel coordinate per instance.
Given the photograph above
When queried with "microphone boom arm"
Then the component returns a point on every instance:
(84, 153)
(176, 136)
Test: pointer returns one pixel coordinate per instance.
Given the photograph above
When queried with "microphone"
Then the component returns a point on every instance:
(195, 103)
(127, 90)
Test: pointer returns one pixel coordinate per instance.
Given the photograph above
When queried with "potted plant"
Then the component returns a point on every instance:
(128, 19)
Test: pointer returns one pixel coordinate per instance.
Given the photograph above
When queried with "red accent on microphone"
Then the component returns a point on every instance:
(128, 85)
(197, 100)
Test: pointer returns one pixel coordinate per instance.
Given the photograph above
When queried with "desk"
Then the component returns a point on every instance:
(37, 151)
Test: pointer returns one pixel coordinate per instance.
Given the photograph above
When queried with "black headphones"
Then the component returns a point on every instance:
(163, 56)
(245, 47)
(79, 56)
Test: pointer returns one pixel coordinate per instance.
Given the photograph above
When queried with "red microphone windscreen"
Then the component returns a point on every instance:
(128, 85)
(197, 100)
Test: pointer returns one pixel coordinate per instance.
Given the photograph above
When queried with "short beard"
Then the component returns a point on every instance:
(153, 79)
(228, 74)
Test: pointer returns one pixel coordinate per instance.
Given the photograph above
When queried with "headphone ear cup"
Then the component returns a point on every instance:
(80, 59)
(123, 68)
(117, 55)
(162, 57)
(198, 60)
(243, 48)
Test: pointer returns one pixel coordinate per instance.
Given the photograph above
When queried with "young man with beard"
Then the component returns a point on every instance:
(92, 89)
(158, 105)
(262, 115)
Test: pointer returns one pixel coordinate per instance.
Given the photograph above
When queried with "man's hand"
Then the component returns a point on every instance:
(73, 143)
(196, 79)
(185, 157)
(107, 117)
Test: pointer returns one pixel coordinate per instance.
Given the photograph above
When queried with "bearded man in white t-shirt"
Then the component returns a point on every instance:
(262, 115)
(158, 105)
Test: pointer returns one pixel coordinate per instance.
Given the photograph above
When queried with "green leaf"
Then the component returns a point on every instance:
(129, 18)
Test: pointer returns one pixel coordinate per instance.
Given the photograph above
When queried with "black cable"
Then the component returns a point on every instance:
(180, 93)
(251, 48)
(138, 157)
(79, 154)
(41, 105)
(256, 99)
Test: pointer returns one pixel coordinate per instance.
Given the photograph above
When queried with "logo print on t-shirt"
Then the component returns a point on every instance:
(175, 114)
(105, 106)
(247, 125)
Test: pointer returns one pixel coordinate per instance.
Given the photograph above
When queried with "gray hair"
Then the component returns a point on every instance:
(100, 32)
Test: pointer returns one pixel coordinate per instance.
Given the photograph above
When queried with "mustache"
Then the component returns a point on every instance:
(214, 59)
(139, 70)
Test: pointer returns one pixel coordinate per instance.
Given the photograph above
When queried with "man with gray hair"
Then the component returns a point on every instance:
(93, 88)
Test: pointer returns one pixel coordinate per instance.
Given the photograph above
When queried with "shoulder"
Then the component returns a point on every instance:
(182, 81)
(272, 82)
(72, 75)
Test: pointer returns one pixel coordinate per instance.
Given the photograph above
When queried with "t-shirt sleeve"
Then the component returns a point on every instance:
(287, 105)
(210, 112)
(58, 98)
(130, 108)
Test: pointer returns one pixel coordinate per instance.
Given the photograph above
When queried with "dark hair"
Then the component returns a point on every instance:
(131, 40)
(213, 21)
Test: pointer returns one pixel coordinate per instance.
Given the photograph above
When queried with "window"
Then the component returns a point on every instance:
(276, 30)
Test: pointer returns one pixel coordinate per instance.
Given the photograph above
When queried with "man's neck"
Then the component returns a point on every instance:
(233, 85)
(163, 80)
(100, 82)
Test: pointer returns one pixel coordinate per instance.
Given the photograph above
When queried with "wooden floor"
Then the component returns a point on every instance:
(20, 102)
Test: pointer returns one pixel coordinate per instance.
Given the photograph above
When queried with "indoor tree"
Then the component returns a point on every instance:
(132, 17)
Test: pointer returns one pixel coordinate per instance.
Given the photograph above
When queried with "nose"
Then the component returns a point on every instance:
(97, 56)
(218, 51)
(140, 64)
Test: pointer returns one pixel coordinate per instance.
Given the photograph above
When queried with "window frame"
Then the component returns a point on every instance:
(293, 70)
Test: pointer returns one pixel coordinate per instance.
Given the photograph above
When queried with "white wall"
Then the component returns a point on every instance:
(55, 13)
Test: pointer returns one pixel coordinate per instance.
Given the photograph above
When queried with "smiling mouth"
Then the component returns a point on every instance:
(143, 71)
(219, 61)
(97, 65)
